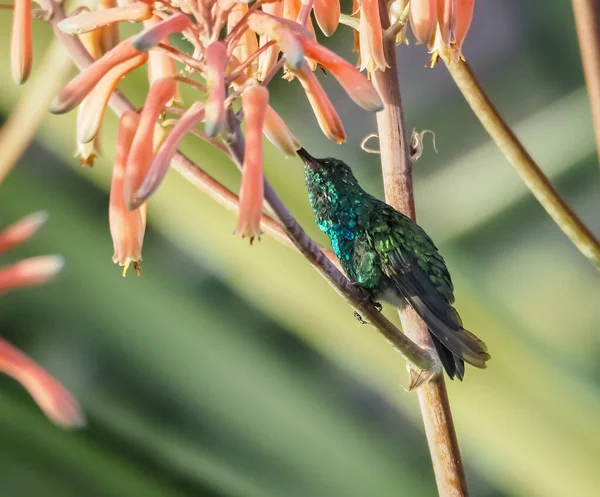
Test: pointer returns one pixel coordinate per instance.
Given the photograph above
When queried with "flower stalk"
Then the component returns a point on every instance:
(528, 170)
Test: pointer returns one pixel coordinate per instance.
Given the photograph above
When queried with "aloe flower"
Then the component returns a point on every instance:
(54, 399)
(235, 49)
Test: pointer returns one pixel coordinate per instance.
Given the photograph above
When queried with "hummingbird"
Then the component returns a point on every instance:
(390, 257)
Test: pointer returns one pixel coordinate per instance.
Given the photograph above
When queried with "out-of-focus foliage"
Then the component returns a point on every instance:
(226, 370)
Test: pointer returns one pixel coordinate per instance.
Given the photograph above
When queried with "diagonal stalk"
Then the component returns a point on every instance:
(396, 167)
(420, 358)
(530, 172)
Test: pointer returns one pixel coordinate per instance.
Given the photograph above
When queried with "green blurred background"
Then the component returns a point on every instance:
(230, 370)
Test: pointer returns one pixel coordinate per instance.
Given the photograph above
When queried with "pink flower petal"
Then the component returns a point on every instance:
(278, 133)
(247, 43)
(423, 20)
(160, 65)
(371, 37)
(463, 18)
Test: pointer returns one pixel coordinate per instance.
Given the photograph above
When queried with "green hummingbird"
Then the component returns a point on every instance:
(390, 257)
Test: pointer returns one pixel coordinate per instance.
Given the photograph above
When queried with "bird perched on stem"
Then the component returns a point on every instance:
(390, 257)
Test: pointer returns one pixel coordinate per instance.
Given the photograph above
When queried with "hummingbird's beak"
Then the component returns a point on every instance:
(308, 159)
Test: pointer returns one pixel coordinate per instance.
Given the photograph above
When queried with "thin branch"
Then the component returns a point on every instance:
(530, 172)
(587, 21)
(420, 358)
(396, 167)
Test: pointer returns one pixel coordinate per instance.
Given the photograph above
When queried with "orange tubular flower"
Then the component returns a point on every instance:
(127, 227)
(268, 58)
(371, 37)
(54, 399)
(423, 20)
(21, 52)
(254, 104)
(142, 148)
(328, 119)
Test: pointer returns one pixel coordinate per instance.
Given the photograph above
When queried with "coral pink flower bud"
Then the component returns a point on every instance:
(22, 230)
(89, 21)
(423, 20)
(246, 44)
(216, 61)
(151, 37)
(356, 85)
(21, 52)
(54, 399)
(162, 159)
(327, 13)
(30, 272)
(254, 104)
(143, 145)
(91, 112)
(328, 119)
(77, 89)
(127, 227)
(371, 37)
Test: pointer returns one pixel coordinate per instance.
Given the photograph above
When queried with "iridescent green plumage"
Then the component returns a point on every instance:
(391, 257)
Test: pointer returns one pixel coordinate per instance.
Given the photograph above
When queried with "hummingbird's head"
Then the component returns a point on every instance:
(333, 169)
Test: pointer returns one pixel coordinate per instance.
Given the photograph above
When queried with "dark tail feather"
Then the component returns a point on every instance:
(453, 365)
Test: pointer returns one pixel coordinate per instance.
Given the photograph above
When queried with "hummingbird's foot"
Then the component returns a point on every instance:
(359, 318)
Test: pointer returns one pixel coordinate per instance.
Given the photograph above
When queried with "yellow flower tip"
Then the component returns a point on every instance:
(21, 50)
(136, 267)
(57, 403)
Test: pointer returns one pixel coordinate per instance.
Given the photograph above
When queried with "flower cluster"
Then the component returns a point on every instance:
(56, 402)
(235, 48)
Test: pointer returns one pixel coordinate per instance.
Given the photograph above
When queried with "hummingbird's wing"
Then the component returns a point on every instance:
(441, 318)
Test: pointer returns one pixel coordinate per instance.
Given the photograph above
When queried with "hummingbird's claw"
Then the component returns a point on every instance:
(359, 318)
